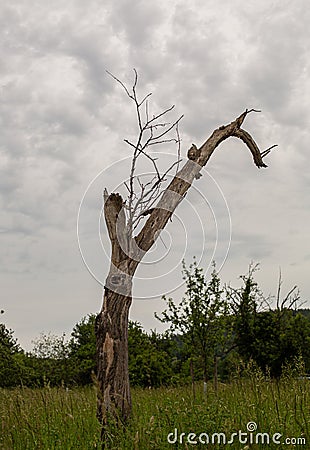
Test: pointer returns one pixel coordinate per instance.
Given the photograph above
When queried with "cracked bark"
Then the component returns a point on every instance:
(127, 251)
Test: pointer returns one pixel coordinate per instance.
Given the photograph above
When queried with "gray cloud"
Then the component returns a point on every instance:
(63, 119)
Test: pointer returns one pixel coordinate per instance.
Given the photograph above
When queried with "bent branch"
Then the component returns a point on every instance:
(182, 181)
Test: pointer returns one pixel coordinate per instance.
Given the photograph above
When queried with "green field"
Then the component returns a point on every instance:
(56, 418)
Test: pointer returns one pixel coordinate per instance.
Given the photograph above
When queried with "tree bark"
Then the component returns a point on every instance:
(127, 251)
(113, 398)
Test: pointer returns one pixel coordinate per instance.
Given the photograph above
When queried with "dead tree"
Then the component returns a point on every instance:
(150, 202)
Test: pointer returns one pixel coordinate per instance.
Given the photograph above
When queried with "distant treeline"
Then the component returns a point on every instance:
(213, 332)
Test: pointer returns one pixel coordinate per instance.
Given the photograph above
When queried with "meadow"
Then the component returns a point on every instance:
(64, 419)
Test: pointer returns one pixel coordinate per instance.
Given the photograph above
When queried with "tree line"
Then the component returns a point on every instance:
(213, 332)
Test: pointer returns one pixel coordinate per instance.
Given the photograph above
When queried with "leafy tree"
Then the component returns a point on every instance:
(49, 360)
(294, 339)
(148, 358)
(83, 350)
(245, 303)
(10, 361)
(149, 362)
(8, 344)
(202, 317)
(270, 337)
(304, 312)
(50, 346)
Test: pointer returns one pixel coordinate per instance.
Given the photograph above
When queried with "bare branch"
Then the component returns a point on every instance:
(242, 116)
(182, 181)
(127, 186)
(121, 83)
(251, 144)
(161, 178)
(170, 128)
(140, 148)
(136, 80)
(254, 110)
(286, 299)
(279, 289)
(166, 111)
(164, 141)
(147, 110)
(294, 300)
(140, 184)
(130, 143)
(144, 99)
(168, 200)
(268, 150)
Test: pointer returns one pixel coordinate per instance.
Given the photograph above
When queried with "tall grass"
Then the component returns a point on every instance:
(48, 418)
(52, 418)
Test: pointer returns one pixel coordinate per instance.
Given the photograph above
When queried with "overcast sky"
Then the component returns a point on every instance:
(63, 121)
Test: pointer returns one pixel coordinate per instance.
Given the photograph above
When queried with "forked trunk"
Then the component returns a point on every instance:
(127, 251)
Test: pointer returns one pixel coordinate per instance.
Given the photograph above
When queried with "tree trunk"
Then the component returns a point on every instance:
(127, 251)
(113, 392)
(112, 358)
